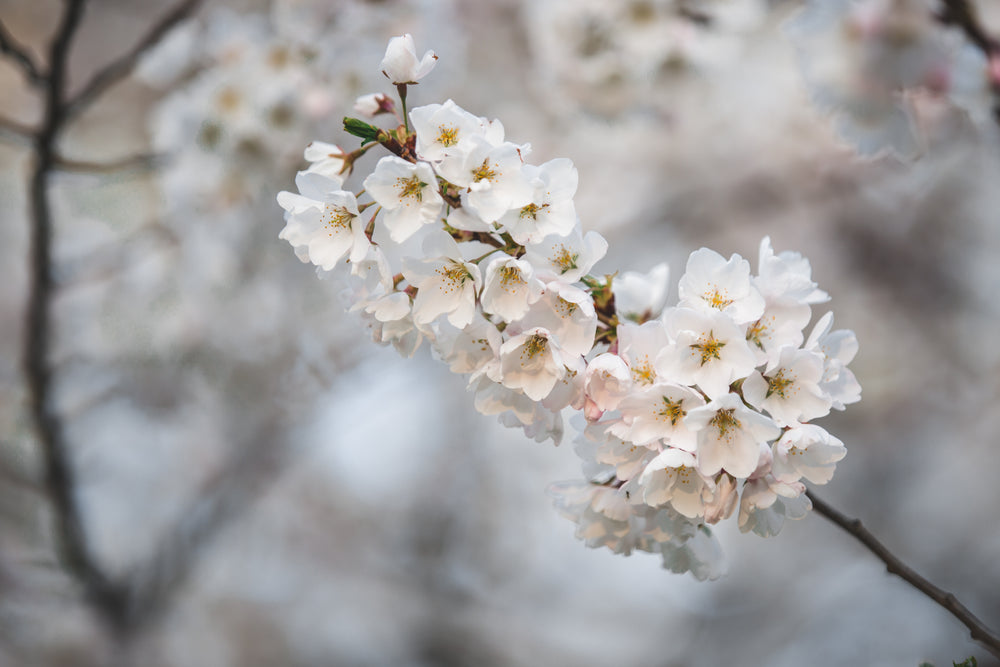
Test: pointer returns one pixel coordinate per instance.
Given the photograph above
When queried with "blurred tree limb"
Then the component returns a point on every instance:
(10, 47)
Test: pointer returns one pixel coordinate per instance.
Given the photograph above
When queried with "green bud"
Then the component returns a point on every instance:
(360, 128)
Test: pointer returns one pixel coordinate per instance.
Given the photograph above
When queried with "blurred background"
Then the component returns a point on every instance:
(297, 495)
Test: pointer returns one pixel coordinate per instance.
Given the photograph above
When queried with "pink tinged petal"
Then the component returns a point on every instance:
(608, 380)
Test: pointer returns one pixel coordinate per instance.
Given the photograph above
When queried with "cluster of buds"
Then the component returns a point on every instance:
(688, 411)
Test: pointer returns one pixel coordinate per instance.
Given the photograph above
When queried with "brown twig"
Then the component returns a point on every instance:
(120, 68)
(20, 55)
(979, 631)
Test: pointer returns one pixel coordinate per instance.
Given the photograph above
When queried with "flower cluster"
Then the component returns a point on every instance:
(688, 412)
(611, 55)
(863, 61)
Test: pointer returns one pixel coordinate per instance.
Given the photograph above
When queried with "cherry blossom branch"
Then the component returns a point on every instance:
(120, 68)
(10, 47)
(979, 631)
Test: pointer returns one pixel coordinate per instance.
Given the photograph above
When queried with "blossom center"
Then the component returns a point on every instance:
(484, 173)
(410, 187)
(565, 259)
(511, 278)
(642, 371)
(779, 384)
(725, 421)
(672, 410)
(756, 331)
(447, 136)
(534, 346)
(716, 298)
(454, 276)
(565, 308)
(531, 211)
(337, 219)
(709, 348)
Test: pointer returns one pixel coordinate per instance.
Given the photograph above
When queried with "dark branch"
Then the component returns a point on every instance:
(119, 69)
(962, 14)
(16, 129)
(20, 55)
(980, 632)
(153, 584)
(143, 161)
(71, 543)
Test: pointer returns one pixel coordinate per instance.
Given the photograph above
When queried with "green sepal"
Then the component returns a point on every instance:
(360, 128)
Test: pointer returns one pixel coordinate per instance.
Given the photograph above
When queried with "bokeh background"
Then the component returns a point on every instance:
(344, 506)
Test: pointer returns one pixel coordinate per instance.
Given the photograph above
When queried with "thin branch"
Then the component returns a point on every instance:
(153, 584)
(120, 68)
(59, 478)
(979, 631)
(143, 161)
(962, 14)
(18, 130)
(20, 55)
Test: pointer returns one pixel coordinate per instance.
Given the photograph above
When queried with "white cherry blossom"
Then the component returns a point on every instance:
(789, 390)
(446, 284)
(641, 296)
(401, 65)
(509, 287)
(532, 362)
(729, 436)
(408, 192)
(441, 128)
(809, 452)
(710, 282)
(673, 477)
(568, 257)
(551, 209)
(707, 349)
(492, 176)
(327, 229)
(608, 381)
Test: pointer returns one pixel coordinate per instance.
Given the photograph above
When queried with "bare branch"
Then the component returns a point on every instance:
(224, 498)
(143, 161)
(979, 631)
(71, 543)
(119, 69)
(962, 14)
(17, 130)
(20, 55)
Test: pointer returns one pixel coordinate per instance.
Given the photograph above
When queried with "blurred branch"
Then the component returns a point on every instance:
(20, 55)
(222, 500)
(979, 631)
(59, 478)
(120, 68)
(962, 14)
(12, 127)
(143, 161)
